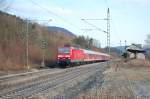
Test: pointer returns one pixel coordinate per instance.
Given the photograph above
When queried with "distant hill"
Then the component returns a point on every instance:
(62, 30)
(120, 48)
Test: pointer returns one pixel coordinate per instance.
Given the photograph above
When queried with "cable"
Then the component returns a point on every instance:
(52, 13)
(5, 5)
(94, 26)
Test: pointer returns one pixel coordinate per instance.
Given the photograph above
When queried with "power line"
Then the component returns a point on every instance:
(35, 3)
(52, 13)
(108, 28)
(108, 20)
(97, 28)
(95, 19)
(5, 5)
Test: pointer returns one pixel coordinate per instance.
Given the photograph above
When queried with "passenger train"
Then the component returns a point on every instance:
(69, 56)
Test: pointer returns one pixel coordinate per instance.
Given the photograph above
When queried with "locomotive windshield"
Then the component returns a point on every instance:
(64, 50)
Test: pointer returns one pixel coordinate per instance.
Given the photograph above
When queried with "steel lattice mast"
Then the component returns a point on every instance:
(108, 31)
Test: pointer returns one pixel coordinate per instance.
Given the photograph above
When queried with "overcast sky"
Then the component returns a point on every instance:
(130, 19)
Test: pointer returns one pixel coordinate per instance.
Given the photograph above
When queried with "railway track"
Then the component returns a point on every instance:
(15, 79)
(14, 76)
(49, 81)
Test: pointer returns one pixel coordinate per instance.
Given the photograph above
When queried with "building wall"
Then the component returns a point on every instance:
(139, 56)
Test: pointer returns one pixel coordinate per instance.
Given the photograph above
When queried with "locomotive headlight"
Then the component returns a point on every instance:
(60, 56)
(68, 57)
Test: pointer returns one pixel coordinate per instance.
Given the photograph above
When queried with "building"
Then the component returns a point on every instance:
(135, 51)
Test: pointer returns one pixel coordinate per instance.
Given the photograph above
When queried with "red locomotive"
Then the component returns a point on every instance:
(71, 55)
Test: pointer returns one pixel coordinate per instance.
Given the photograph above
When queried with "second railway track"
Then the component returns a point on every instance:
(49, 82)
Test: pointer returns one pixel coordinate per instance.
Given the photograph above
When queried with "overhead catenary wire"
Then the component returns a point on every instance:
(93, 26)
(54, 14)
(5, 5)
(108, 28)
(65, 20)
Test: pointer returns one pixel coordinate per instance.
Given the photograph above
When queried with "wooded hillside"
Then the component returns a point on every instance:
(13, 38)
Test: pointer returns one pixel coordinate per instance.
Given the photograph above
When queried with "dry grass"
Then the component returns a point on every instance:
(139, 62)
(126, 82)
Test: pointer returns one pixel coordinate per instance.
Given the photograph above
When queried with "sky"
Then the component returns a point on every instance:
(129, 19)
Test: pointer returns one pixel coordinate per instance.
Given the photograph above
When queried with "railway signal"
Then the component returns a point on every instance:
(43, 46)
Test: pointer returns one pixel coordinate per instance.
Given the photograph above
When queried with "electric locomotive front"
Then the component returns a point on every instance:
(63, 56)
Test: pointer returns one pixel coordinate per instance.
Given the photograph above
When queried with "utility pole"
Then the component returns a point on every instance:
(108, 30)
(125, 46)
(27, 46)
(120, 47)
(125, 42)
(44, 46)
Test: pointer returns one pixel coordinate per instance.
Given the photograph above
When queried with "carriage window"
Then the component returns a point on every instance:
(64, 50)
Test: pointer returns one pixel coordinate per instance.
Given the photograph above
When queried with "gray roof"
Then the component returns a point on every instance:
(135, 48)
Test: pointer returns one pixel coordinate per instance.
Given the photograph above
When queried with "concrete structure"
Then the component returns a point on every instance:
(135, 51)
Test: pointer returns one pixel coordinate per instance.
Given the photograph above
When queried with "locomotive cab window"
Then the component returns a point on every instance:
(64, 50)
